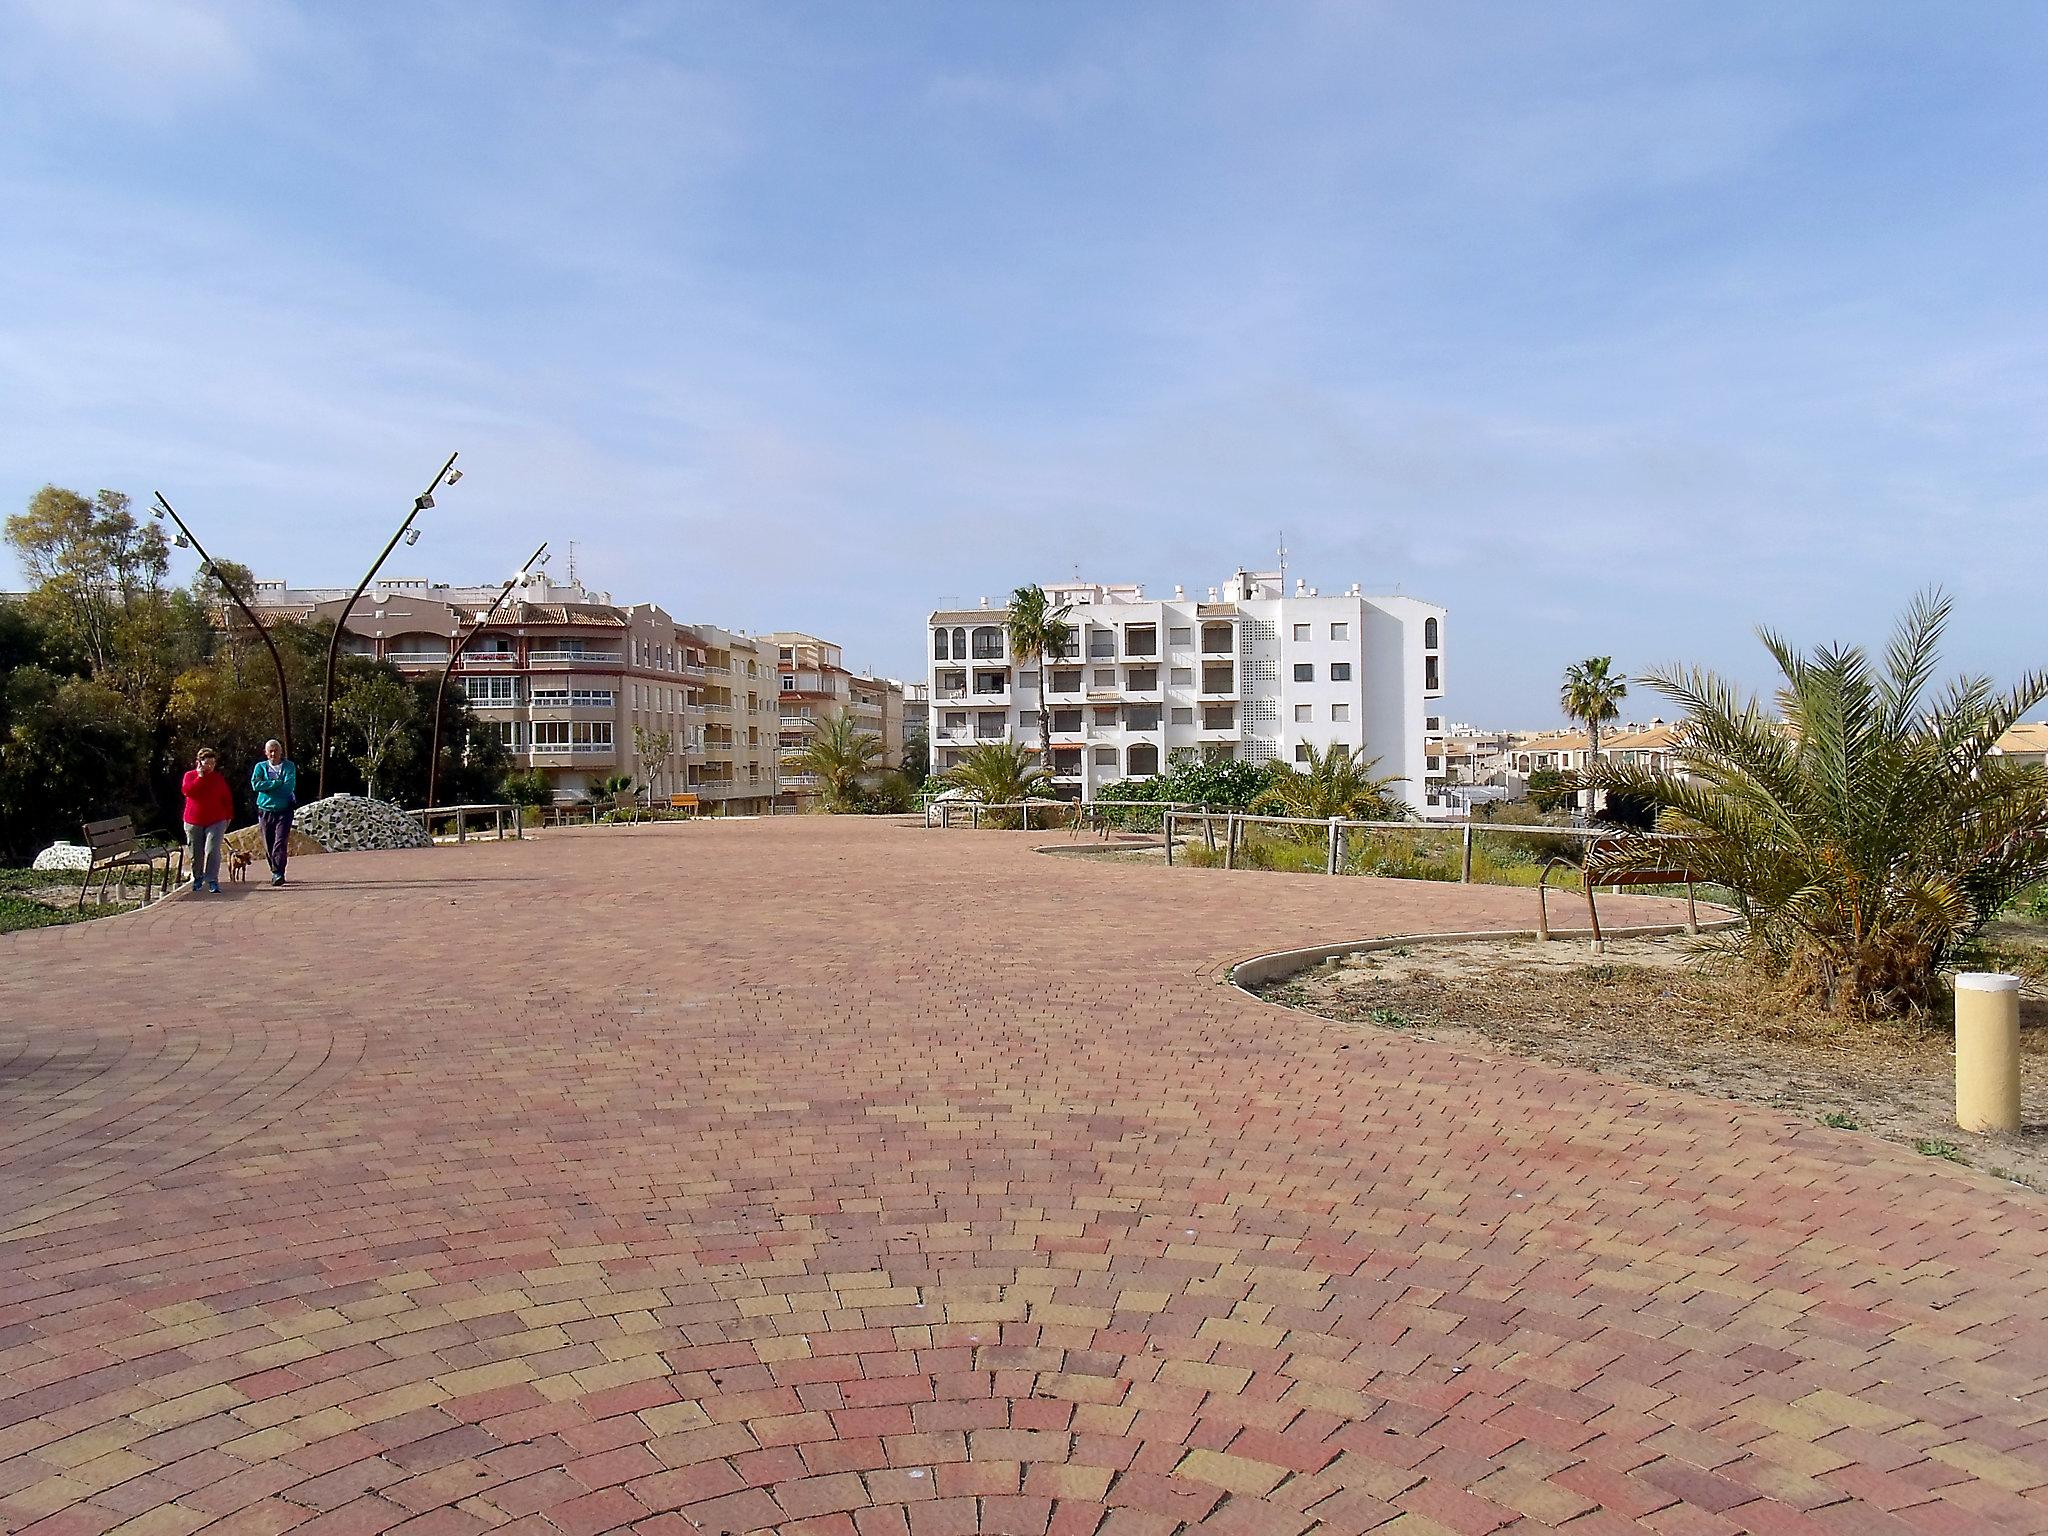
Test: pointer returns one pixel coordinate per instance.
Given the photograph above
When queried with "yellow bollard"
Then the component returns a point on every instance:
(1988, 1051)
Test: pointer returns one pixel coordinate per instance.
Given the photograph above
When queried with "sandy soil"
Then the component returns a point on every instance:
(1664, 1011)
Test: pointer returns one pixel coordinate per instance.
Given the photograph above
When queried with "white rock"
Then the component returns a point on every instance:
(64, 856)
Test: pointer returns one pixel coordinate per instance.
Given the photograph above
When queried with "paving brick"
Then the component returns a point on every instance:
(921, 1184)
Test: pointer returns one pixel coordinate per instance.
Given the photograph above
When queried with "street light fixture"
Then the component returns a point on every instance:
(187, 539)
(420, 503)
(538, 558)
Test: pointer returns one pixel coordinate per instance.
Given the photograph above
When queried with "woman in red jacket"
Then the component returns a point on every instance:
(209, 805)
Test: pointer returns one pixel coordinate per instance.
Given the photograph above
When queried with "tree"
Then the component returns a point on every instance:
(70, 753)
(1552, 790)
(1591, 694)
(1038, 630)
(917, 758)
(92, 563)
(997, 773)
(381, 711)
(529, 787)
(839, 755)
(651, 750)
(1869, 832)
(1335, 783)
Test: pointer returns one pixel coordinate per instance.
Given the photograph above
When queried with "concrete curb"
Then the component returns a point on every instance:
(1258, 970)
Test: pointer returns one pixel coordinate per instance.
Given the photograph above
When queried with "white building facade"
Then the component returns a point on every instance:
(1250, 672)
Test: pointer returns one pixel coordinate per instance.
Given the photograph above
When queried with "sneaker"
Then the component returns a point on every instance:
(277, 879)
(213, 886)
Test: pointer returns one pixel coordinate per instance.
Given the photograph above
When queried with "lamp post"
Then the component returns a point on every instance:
(164, 509)
(538, 557)
(450, 474)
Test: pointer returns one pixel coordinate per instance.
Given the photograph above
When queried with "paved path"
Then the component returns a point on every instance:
(852, 1178)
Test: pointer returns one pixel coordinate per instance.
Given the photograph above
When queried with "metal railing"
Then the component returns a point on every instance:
(500, 816)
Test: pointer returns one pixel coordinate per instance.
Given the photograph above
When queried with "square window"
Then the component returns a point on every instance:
(1340, 671)
(1303, 631)
(1180, 636)
(1105, 757)
(1340, 631)
(1340, 748)
(1304, 712)
(1340, 713)
(1183, 716)
(1301, 751)
(1305, 671)
(1183, 677)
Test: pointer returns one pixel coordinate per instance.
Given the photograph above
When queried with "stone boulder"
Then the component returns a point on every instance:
(65, 856)
(341, 824)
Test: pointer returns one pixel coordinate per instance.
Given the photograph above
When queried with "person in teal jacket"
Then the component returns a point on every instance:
(276, 783)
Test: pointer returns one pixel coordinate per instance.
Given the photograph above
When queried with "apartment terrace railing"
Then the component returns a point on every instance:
(595, 658)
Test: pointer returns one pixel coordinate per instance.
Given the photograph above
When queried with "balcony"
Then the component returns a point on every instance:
(490, 659)
(1219, 682)
(573, 658)
(417, 658)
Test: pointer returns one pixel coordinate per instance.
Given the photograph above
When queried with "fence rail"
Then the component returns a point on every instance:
(1180, 818)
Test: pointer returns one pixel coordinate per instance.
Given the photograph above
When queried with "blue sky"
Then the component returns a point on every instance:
(1617, 329)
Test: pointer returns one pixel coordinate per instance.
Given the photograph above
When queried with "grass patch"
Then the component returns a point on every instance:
(48, 898)
(1947, 1151)
(1839, 1120)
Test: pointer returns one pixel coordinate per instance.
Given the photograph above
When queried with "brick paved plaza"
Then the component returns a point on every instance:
(847, 1177)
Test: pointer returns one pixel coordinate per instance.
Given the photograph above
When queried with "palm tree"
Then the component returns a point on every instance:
(1870, 832)
(1335, 783)
(997, 773)
(1592, 694)
(838, 755)
(1038, 630)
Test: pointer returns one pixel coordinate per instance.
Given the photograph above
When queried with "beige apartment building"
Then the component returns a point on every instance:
(584, 688)
(815, 685)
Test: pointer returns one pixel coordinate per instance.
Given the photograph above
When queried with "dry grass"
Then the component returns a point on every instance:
(1664, 1011)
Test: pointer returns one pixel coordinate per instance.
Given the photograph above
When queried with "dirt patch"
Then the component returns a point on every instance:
(1669, 1012)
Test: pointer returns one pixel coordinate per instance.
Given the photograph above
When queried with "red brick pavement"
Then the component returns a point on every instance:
(851, 1178)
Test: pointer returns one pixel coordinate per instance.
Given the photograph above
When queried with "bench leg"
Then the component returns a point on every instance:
(1692, 912)
(1542, 914)
(1593, 915)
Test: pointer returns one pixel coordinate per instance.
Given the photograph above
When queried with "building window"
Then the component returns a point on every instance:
(1340, 631)
(1303, 631)
(1105, 714)
(550, 735)
(988, 643)
(1105, 677)
(1301, 751)
(1339, 713)
(789, 685)
(1144, 679)
(1066, 682)
(1304, 713)
(1340, 749)
(1101, 645)
(1431, 679)
(1340, 671)
(1304, 672)
(959, 645)
(1066, 721)
(1429, 634)
(1180, 636)
(1183, 715)
(1105, 757)
(940, 650)
(491, 690)
(1182, 677)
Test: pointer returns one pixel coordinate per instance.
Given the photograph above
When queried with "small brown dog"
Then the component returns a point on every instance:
(238, 866)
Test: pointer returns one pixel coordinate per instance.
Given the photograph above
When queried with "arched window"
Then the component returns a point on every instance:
(988, 643)
(1429, 634)
(959, 645)
(939, 645)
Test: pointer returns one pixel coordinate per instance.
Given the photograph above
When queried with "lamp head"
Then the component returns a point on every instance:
(421, 503)
(181, 542)
(412, 536)
(454, 475)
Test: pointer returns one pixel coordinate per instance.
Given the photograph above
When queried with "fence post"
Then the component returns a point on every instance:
(1168, 823)
(1336, 832)
(1466, 877)
(1208, 830)
(1027, 813)
(1230, 840)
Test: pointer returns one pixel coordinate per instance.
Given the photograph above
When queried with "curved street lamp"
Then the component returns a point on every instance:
(284, 697)
(449, 474)
(540, 557)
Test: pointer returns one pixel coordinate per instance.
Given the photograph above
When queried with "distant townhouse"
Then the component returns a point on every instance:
(566, 675)
(1249, 673)
(2026, 742)
(815, 686)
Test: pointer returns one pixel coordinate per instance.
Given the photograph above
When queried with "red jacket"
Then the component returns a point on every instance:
(207, 798)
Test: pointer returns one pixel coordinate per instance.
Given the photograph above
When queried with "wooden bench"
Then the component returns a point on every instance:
(114, 846)
(1612, 878)
(683, 803)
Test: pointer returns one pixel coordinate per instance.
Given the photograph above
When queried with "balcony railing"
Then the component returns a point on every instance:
(595, 658)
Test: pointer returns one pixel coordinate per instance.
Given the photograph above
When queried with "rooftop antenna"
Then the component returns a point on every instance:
(572, 562)
(1283, 561)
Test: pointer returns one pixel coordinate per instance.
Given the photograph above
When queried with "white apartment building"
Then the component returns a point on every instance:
(1249, 672)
